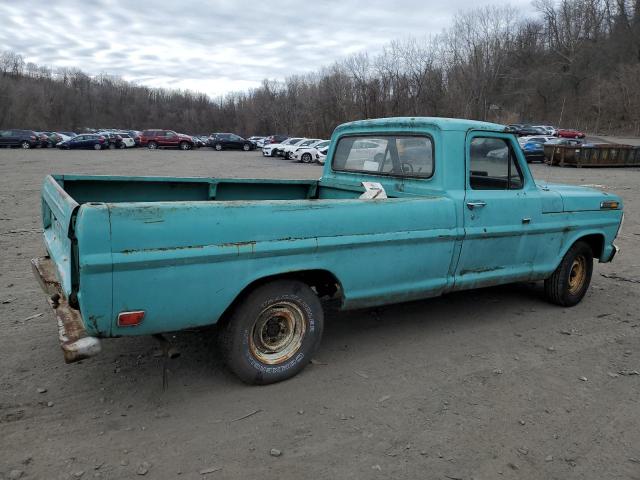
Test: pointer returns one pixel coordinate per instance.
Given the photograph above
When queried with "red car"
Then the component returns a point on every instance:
(165, 138)
(570, 133)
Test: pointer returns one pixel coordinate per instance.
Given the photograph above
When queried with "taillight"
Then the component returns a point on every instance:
(130, 319)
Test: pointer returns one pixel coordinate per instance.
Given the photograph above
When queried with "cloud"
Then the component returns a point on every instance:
(213, 47)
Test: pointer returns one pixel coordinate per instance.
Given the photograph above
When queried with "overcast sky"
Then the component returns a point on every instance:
(213, 46)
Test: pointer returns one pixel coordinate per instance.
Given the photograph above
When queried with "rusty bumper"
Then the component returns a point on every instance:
(74, 341)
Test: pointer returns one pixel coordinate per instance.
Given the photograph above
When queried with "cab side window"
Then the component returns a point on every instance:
(493, 165)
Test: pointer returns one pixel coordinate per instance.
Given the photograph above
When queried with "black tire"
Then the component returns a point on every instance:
(152, 146)
(306, 157)
(184, 146)
(246, 147)
(253, 321)
(25, 145)
(217, 147)
(97, 146)
(570, 281)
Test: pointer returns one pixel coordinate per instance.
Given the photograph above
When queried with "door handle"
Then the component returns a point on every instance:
(474, 205)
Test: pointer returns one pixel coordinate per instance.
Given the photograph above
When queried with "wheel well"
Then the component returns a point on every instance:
(322, 280)
(596, 242)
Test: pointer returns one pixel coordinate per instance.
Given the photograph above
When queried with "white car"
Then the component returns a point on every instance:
(322, 155)
(256, 141)
(309, 153)
(288, 150)
(535, 138)
(273, 149)
(127, 140)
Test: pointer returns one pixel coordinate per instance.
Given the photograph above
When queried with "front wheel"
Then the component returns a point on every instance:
(246, 147)
(570, 281)
(97, 146)
(273, 333)
(218, 147)
(306, 158)
(25, 145)
(184, 146)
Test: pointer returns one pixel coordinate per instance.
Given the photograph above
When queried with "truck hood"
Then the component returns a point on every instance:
(570, 198)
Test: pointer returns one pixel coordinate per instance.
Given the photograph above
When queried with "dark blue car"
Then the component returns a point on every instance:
(85, 141)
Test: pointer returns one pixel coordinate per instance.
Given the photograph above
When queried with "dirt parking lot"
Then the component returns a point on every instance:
(494, 383)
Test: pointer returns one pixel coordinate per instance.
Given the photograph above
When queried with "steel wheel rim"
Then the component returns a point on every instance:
(25, 145)
(306, 158)
(246, 148)
(277, 333)
(577, 274)
(218, 147)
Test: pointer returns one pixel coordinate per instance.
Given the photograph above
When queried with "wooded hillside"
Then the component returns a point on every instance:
(575, 63)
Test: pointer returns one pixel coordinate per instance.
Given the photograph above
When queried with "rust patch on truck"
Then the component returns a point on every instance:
(480, 270)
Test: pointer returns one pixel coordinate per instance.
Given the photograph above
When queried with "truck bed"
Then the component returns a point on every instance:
(183, 249)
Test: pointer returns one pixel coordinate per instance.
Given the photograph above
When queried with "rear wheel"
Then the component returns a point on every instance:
(152, 145)
(306, 158)
(97, 146)
(570, 281)
(25, 145)
(218, 147)
(273, 333)
(184, 145)
(246, 147)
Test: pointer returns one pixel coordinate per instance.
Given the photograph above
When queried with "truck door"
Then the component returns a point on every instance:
(502, 212)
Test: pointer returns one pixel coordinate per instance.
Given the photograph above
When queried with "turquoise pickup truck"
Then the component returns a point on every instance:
(407, 208)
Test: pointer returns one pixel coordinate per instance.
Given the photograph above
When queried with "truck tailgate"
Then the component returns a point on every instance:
(58, 211)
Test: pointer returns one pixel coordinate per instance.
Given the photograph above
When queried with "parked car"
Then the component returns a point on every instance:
(114, 140)
(152, 255)
(199, 141)
(85, 141)
(156, 138)
(535, 138)
(548, 129)
(255, 141)
(533, 151)
(309, 153)
(567, 142)
(19, 138)
(43, 140)
(570, 133)
(322, 155)
(274, 139)
(288, 150)
(273, 149)
(523, 130)
(230, 141)
(127, 140)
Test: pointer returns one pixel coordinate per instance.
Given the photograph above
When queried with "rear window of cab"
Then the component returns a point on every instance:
(391, 155)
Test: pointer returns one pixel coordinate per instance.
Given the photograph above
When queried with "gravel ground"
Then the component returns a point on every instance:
(486, 384)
